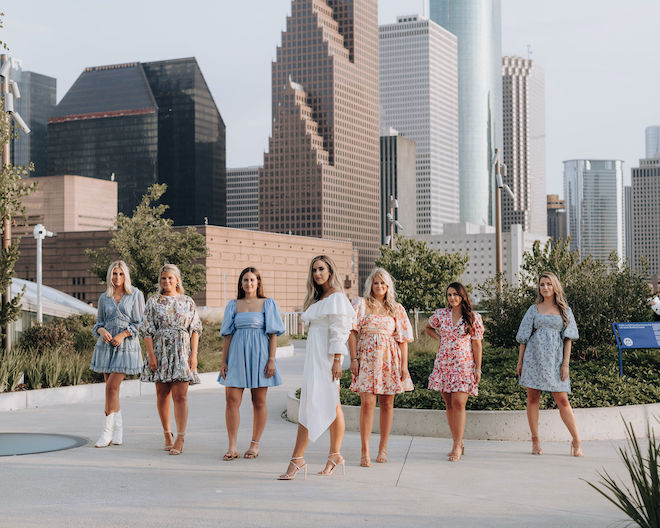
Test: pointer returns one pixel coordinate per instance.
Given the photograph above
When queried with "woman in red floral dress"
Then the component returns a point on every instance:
(379, 357)
(457, 369)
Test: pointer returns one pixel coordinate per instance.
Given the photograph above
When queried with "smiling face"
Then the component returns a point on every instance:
(118, 278)
(168, 283)
(320, 272)
(250, 284)
(546, 289)
(453, 298)
(379, 287)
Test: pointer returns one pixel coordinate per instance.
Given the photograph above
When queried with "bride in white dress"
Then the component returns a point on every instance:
(330, 317)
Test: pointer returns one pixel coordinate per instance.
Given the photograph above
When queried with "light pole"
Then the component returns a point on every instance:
(8, 99)
(40, 233)
(499, 185)
(392, 221)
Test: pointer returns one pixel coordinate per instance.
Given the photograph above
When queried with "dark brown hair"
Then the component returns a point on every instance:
(466, 306)
(260, 287)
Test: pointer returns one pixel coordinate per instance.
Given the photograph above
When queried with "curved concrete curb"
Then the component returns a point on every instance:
(31, 399)
(601, 423)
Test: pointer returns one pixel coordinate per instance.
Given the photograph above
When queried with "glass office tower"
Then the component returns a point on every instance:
(478, 26)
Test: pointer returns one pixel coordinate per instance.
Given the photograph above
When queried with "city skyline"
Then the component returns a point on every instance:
(571, 42)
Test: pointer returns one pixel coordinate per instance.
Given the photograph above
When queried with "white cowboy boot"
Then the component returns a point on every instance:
(117, 429)
(106, 436)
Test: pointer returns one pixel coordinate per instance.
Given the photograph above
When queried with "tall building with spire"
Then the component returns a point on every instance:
(321, 174)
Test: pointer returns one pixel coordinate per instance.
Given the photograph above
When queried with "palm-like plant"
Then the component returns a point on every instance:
(641, 501)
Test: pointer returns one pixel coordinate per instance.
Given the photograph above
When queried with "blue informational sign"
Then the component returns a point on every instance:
(635, 335)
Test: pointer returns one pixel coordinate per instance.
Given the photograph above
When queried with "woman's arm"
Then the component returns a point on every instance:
(563, 372)
(404, 360)
(521, 355)
(477, 354)
(430, 331)
(352, 350)
(194, 343)
(272, 352)
(225, 355)
(149, 345)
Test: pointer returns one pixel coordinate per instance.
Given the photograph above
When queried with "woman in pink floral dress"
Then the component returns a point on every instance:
(457, 369)
(379, 357)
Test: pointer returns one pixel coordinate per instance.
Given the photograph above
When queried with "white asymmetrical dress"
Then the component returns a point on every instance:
(330, 321)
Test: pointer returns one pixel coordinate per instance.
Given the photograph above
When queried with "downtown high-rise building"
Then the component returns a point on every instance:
(419, 98)
(645, 205)
(145, 123)
(243, 198)
(35, 105)
(321, 173)
(523, 151)
(593, 190)
(627, 221)
(478, 26)
(652, 134)
(556, 211)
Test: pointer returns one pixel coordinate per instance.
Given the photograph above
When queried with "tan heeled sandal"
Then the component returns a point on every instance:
(251, 453)
(331, 471)
(536, 446)
(576, 451)
(291, 476)
(175, 451)
(169, 440)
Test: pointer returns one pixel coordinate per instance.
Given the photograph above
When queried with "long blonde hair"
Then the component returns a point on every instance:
(314, 291)
(110, 288)
(389, 302)
(174, 270)
(560, 299)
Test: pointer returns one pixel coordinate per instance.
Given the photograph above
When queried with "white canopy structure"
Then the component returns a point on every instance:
(54, 302)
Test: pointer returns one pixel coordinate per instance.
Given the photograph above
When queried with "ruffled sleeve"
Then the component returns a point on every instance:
(274, 324)
(526, 326)
(195, 321)
(340, 315)
(360, 307)
(148, 327)
(402, 327)
(434, 320)
(477, 327)
(228, 327)
(570, 331)
(100, 316)
(137, 312)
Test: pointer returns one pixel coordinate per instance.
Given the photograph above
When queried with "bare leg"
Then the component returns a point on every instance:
(234, 396)
(180, 399)
(567, 416)
(386, 403)
(112, 383)
(337, 429)
(163, 391)
(260, 417)
(458, 401)
(298, 456)
(446, 396)
(533, 398)
(367, 408)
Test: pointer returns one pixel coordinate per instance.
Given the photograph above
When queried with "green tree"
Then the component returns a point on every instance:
(146, 241)
(599, 293)
(421, 274)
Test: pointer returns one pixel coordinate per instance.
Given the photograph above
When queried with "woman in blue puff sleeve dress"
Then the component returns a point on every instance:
(250, 328)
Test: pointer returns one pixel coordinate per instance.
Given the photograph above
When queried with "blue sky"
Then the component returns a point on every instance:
(600, 60)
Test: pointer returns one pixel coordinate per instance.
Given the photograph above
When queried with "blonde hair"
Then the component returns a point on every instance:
(314, 291)
(174, 270)
(110, 288)
(560, 300)
(389, 302)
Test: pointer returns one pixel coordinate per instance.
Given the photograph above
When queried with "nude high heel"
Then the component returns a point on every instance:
(576, 451)
(536, 446)
(291, 476)
(175, 451)
(169, 440)
(334, 465)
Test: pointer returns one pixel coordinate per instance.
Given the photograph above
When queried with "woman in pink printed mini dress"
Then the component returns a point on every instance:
(457, 369)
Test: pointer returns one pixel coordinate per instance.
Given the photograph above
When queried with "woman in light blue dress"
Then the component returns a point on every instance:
(545, 336)
(117, 351)
(250, 328)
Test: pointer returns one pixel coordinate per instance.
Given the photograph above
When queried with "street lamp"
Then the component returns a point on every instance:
(40, 233)
(499, 185)
(392, 222)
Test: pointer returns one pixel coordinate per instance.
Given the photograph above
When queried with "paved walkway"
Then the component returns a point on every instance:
(497, 484)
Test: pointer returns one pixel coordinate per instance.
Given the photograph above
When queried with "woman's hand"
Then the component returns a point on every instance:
(105, 335)
(223, 369)
(563, 372)
(153, 364)
(404, 373)
(355, 367)
(519, 368)
(336, 369)
(477, 376)
(192, 361)
(270, 368)
(117, 340)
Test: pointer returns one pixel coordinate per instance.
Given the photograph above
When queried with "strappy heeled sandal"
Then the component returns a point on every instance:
(169, 440)
(382, 456)
(576, 451)
(291, 476)
(536, 446)
(175, 451)
(365, 461)
(251, 453)
(328, 472)
(231, 455)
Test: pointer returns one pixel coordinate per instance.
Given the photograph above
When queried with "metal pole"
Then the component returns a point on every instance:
(498, 222)
(6, 220)
(391, 221)
(40, 311)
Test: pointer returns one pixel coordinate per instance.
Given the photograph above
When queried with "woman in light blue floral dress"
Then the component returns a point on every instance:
(545, 336)
(117, 351)
(171, 331)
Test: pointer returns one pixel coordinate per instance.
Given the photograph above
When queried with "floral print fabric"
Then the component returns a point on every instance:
(378, 353)
(453, 370)
(170, 321)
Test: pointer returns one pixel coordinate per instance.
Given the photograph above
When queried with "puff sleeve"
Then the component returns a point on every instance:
(340, 323)
(360, 307)
(137, 312)
(478, 327)
(526, 326)
(434, 320)
(570, 331)
(228, 327)
(100, 316)
(402, 327)
(273, 318)
(195, 321)
(148, 327)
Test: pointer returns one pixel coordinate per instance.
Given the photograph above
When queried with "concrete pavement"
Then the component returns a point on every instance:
(497, 484)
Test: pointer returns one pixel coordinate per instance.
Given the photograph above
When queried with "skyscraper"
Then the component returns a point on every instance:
(556, 217)
(645, 181)
(652, 141)
(321, 173)
(593, 190)
(523, 90)
(37, 102)
(478, 26)
(419, 98)
(627, 220)
(243, 198)
(140, 124)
